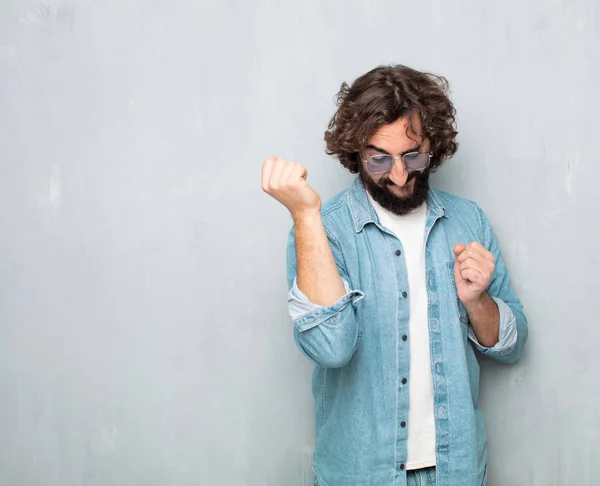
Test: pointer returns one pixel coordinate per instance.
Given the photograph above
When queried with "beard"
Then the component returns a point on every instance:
(380, 191)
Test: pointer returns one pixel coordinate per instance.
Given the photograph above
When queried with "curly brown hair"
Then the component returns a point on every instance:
(380, 97)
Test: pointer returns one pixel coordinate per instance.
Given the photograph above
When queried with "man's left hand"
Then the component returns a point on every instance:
(473, 269)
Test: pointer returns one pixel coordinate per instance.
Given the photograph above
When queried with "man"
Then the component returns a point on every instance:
(393, 287)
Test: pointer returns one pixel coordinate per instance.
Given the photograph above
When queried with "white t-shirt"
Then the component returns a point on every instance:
(410, 230)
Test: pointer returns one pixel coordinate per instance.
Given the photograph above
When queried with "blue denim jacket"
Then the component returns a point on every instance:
(360, 345)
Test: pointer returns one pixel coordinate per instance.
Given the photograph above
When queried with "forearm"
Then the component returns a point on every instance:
(317, 274)
(484, 317)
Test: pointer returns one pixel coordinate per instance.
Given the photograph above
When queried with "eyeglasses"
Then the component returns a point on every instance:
(378, 164)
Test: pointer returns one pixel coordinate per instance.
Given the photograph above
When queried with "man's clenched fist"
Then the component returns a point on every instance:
(473, 269)
(286, 182)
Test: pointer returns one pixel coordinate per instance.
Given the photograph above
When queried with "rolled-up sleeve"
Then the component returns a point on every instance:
(328, 336)
(307, 315)
(507, 335)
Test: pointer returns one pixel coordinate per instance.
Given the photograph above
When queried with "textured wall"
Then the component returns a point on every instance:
(144, 337)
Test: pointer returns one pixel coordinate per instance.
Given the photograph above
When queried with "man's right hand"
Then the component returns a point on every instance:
(286, 182)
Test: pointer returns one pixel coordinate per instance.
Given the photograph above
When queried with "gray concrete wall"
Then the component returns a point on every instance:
(144, 338)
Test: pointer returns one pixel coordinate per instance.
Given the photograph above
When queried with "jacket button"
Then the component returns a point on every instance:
(404, 294)
(398, 252)
(402, 424)
(404, 337)
(401, 467)
(404, 380)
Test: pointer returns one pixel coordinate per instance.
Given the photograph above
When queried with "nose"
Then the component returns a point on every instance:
(399, 173)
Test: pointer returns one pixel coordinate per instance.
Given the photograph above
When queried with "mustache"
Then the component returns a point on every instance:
(385, 180)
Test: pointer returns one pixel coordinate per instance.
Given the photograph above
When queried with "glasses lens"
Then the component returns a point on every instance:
(380, 163)
(416, 160)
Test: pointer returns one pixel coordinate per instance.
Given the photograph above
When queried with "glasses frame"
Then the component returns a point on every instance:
(394, 157)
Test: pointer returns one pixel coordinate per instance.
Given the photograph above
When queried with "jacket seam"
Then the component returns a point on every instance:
(323, 397)
(482, 231)
(331, 207)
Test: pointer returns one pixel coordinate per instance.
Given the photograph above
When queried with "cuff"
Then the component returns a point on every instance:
(307, 315)
(507, 336)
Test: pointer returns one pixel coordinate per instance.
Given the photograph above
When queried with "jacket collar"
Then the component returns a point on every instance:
(362, 210)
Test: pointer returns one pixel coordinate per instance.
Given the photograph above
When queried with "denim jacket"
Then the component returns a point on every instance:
(360, 345)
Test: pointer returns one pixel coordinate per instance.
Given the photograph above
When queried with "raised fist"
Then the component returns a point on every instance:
(286, 182)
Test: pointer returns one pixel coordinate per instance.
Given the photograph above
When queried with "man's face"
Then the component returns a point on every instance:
(400, 190)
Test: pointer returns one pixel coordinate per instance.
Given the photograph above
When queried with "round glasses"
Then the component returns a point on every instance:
(378, 164)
